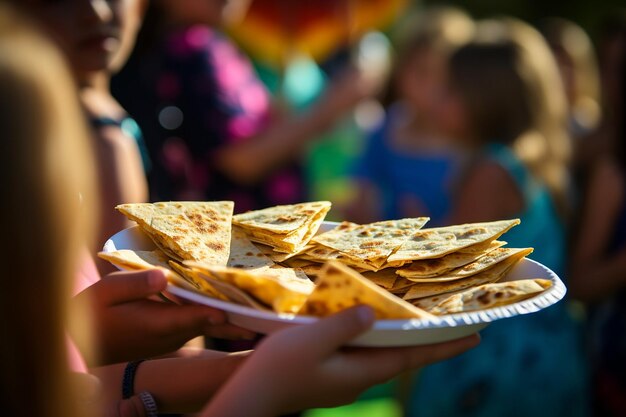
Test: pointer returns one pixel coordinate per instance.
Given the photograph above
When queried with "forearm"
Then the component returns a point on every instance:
(598, 280)
(243, 395)
(248, 161)
(178, 385)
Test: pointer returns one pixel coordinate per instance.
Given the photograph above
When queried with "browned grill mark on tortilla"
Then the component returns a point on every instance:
(483, 298)
(372, 244)
(214, 245)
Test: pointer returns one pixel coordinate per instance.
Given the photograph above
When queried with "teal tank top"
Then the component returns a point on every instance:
(541, 227)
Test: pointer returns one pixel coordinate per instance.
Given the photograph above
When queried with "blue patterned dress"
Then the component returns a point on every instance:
(527, 366)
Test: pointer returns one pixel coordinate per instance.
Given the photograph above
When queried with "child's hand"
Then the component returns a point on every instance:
(306, 367)
(129, 325)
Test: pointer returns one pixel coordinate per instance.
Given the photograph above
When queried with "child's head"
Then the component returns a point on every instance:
(46, 166)
(425, 44)
(578, 68)
(95, 35)
(504, 87)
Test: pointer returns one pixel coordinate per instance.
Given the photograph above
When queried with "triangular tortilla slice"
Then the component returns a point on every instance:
(482, 247)
(131, 260)
(484, 296)
(284, 292)
(280, 256)
(437, 242)
(286, 228)
(385, 278)
(493, 274)
(427, 268)
(401, 286)
(222, 290)
(322, 254)
(340, 287)
(199, 284)
(484, 262)
(371, 243)
(244, 254)
(190, 230)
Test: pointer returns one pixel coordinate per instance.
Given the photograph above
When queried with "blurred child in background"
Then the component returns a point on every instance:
(96, 36)
(210, 126)
(504, 102)
(598, 261)
(408, 169)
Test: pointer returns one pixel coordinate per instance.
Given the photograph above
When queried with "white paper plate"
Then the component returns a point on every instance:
(384, 332)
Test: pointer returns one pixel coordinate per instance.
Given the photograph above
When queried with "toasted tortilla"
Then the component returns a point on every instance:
(427, 268)
(339, 287)
(197, 231)
(287, 228)
(482, 263)
(199, 283)
(437, 242)
(280, 256)
(244, 254)
(322, 254)
(284, 291)
(401, 286)
(131, 260)
(370, 243)
(385, 278)
(493, 274)
(484, 296)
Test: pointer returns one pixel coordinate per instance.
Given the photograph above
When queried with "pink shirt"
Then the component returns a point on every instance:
(86, 277)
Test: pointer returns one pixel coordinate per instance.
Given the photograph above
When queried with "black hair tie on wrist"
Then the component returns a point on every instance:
(128, 381)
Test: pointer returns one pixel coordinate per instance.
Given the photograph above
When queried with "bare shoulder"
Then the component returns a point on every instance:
(488, 192)
(490, 178)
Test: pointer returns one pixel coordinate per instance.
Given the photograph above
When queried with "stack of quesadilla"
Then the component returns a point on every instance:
(285, 229)
(266, 259)
(188, 230)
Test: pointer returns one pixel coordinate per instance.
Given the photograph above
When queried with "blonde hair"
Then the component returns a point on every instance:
(509, 83)
(46, 165)
(568, 40)
(442, 29)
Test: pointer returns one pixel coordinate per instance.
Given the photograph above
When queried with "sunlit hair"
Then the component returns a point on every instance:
(46, 163)
(439, 28)
(574, 49)
(509, 83)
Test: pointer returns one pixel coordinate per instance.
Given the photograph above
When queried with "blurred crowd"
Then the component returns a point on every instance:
(444, 116)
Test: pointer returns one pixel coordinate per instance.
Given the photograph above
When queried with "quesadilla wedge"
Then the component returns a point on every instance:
(322, 254)
(285, 293)
(493, 274)
(427, 268)
(224, 290)
(197, 231)
(385, 278)
(286, 228)
(482, 263)
(339, 287)
(437, 242)
(199, 284)
(484, 296)
(131, 260)
(370, 243)
(244, 254)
